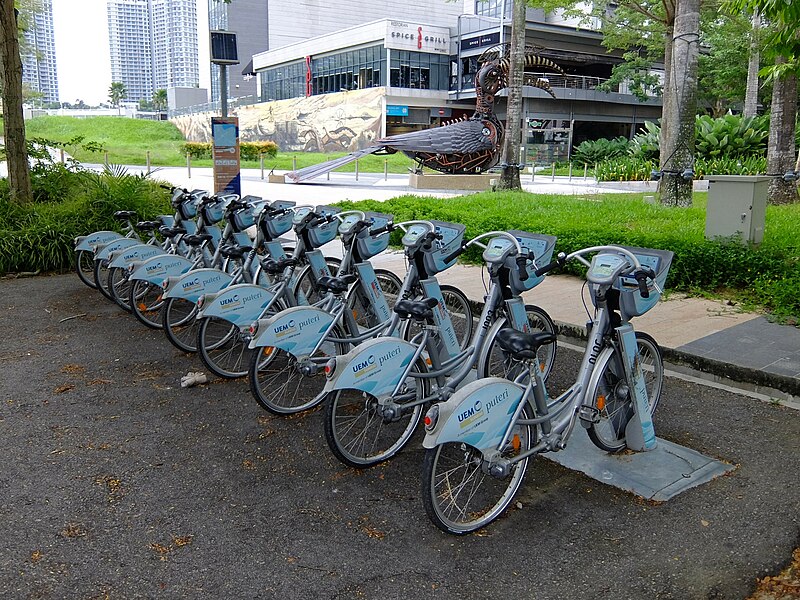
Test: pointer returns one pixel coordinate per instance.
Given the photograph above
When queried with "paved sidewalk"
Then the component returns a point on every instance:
(719, 340)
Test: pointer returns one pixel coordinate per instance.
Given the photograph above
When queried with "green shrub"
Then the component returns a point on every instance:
(750, 165)
(645, 145)
(625, 168)
(196, 150)
(592, 152)
(248, 150)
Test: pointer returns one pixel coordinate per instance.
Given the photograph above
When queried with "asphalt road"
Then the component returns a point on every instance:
(117, 483)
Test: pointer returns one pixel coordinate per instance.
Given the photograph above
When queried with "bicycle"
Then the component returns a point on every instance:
(293, 346)
(376, 393)
(479, 441)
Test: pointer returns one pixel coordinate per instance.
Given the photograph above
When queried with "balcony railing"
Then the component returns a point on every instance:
(575, 82)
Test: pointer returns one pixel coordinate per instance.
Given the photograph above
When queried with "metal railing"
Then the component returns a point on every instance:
(576, 82)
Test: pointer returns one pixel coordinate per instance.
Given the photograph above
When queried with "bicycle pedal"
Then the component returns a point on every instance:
(589, 415)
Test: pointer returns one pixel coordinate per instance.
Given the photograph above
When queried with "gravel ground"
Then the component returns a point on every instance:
(117, 483)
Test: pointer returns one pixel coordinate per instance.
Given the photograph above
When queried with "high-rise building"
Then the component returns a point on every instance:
(153, 45)
(39, 53)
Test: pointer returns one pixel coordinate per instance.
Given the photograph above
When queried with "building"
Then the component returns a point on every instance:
(39, 53)
(153, 45)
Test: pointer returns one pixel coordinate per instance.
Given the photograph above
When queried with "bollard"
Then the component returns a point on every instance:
(261, 159)
(105, 158)
(356, 169)
(294, 163)
(61, 154)
(585, 168)
(147, 160)
(385, 169)
(570, 171)
(189, 165)
(533, 171)
(328, 175)
(553, 176)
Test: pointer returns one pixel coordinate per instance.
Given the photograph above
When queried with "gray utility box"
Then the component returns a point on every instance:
(736, 207)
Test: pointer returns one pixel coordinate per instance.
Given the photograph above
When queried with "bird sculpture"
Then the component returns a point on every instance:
(468, 145)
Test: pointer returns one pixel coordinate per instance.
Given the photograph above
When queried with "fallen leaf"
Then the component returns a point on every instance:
(73, 369)
(704, 523)
(36, 556)
(183, 540)
(73, 530)
(64, 388)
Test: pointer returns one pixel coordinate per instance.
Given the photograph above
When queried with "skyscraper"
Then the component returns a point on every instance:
(153, 45)
(39, 53)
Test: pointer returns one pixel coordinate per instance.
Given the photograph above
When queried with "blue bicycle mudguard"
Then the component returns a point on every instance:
(297, 330)
(193, 284)
(113, 245)
(375, 366)
(98, 238)
(126, 256)
(477, 414)
(156, 269)
(239, 304)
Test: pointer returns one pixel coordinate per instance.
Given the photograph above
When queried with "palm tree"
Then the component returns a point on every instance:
(117, 92)
(160, 99)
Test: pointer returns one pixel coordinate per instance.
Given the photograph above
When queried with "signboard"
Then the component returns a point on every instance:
(396, 110)
(225, 152)
(223, 48)
(419, 38)
(488, 39)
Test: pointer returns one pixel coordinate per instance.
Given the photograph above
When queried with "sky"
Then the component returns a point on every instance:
(82, 55)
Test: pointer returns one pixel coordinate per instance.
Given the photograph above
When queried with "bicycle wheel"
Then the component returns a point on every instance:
(179, 323)
(277, 384)
(358, 303)
(459, 497)
(101, 278)
(495, 362)
(84, 267)
(611, 395)
(222, 347)
(119, 286)
(145, 301)
(358, 435)
(461, 316)
(306, 283)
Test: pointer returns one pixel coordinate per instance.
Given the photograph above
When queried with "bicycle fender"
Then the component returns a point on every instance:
(240, 304)
(122, 258)
(375, 366)
(98, 238)
(297, 330)
(117, 244)
(156, 269)
(193, 284)
(477, 414)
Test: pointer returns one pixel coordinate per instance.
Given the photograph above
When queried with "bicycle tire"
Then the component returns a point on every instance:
(390, 284)
(84, 267)
(145, 301)
(459, 497)
(279, 387)
(494, 362)
(100, 273)
(119, 287)
(610, 395)
(461, 316)
(351, 420)
(179, 323)
(308, 285)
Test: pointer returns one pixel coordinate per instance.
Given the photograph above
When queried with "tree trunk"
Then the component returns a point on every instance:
(680, 101)
(509, 179)
(751, 93)
(16, 155)
(663, 142)
(780, 151)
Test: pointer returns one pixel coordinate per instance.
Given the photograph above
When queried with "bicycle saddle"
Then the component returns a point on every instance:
(337, 285)
(523, 346)
(232, 251)
(273, 267)
(419, 310)
(196, 239)
(148, 225)
(171, 231)
(124, 215)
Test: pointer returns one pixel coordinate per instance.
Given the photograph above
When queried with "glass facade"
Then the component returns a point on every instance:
(493, 8)
(357, 69)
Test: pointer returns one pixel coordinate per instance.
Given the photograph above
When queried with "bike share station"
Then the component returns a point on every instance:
(656, 469)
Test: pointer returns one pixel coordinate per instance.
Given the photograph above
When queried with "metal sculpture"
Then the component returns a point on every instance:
(469, 145)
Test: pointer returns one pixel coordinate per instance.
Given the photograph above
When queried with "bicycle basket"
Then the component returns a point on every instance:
(243, 218)
(272, 227)
(187, 208)
(369, 245)
(631, 303)
(214, 211)
(542, 248)
(452, 237)
(323, 233)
